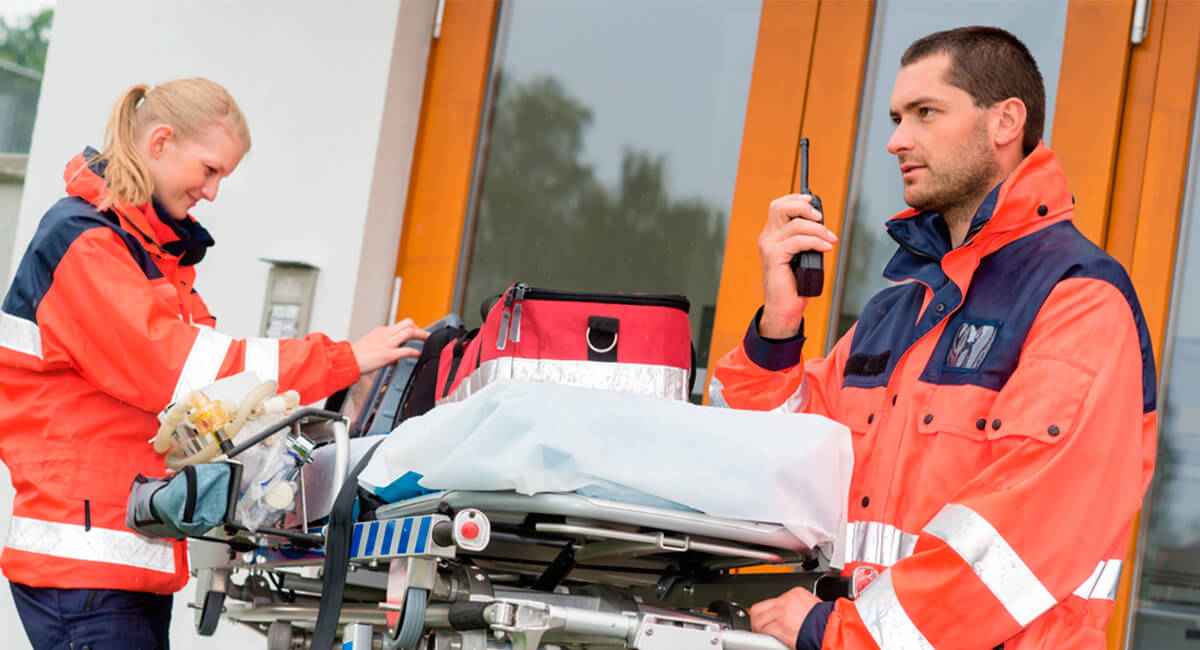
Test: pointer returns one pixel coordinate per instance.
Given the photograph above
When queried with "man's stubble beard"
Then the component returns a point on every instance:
(964, 183)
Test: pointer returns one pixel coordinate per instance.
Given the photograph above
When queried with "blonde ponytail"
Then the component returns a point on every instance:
(188, 106)
(126, 174)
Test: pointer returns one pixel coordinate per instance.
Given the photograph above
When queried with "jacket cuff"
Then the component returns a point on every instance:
(812, 631)
(772, 354)
(345, 367)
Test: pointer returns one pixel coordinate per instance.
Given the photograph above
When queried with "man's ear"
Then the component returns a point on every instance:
(158, 138)
(1009, 120)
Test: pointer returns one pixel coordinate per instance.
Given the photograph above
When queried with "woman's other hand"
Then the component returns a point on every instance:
(385, 345)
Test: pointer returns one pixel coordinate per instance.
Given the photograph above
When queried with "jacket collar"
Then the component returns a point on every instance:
(1034, 195)
(182, 238)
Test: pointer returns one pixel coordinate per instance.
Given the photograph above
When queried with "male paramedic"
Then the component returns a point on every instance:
(1000, 394)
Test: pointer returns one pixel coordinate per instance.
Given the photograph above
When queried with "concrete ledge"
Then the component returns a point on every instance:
(12, 167)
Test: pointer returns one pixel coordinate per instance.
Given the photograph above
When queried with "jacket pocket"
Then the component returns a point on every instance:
(951, 445)
(956, 410)
(860, 409)
(1042, 400)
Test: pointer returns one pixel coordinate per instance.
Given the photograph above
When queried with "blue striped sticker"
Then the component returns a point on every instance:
(354, 540)
(405, 533)
(388, 529)
(423, 535)
(371, 534)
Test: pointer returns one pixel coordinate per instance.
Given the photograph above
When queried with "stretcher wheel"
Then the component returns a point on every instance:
(412, 621)
(210, 613)
(279, 636)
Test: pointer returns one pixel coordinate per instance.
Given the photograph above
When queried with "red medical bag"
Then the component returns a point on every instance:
(634, 343)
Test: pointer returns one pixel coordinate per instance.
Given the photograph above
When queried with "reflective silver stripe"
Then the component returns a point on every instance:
(262, 358)
(877, 543)
(886, 619)
(20, 335)
(641, 379)
(72, 542)
(995, 562)
(797, 400)
(1103, 583)
(716, 393)
(793, 404)
(203, 362)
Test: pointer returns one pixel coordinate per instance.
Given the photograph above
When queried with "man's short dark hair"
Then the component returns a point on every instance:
(991, 65)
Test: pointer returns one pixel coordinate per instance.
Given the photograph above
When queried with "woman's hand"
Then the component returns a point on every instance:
(385, 345)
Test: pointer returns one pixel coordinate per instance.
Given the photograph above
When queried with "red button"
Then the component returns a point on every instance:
(470, 530)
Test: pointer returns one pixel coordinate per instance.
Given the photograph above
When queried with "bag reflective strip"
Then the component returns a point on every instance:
(20, 335)
(1102, 584)
(877, 543)
(995, 562)
(262, 358)
(642, 379)
(203, 362)
(72, 542)
(885, 618)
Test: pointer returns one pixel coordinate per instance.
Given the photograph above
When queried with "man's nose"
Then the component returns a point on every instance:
(900, 140)
(210, 190)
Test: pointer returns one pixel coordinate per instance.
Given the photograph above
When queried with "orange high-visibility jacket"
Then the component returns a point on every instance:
(1001, 399)
(100, 330)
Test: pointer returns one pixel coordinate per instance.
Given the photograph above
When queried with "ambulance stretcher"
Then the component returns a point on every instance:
(461, 570)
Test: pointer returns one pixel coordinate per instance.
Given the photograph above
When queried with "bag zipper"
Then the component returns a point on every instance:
(672, 301)
(520, 289)
(505, 316)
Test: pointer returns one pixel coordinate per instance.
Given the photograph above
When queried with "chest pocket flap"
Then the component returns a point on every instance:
(1042, 400)
(959, 410)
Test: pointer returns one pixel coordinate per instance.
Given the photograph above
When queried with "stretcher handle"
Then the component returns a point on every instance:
(468, 616)
(302, 414)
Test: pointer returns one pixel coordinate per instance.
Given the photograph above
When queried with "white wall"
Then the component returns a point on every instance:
(332, 92)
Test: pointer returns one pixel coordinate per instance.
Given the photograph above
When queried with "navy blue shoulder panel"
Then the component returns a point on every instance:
(982, 343)
(59, 228)
(885, 329)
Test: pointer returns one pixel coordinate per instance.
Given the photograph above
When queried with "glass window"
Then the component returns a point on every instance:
(876, 191)
(1167, 616)
(24, 37)
(610, 149)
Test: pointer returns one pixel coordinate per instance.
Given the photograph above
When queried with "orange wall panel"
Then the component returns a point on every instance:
(1091, 91)
(444, 159)
(831, 123)
(1162, 146)
(766, 167)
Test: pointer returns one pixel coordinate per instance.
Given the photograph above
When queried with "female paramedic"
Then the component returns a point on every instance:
(100, 331)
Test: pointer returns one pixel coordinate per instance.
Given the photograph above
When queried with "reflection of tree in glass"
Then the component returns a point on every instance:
(24, 42)
(546, 219)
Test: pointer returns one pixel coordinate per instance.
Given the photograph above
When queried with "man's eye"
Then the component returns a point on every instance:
(924, 112)
(209, 170)
(895, 119)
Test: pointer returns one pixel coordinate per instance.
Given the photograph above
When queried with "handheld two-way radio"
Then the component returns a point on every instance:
(809, 266)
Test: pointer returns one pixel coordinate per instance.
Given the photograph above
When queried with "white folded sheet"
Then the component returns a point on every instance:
(791, 469)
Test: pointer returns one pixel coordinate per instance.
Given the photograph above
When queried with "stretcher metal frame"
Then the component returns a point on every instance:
(463, 570)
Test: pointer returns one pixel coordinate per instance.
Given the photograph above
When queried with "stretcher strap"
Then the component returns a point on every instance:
(337, 555)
